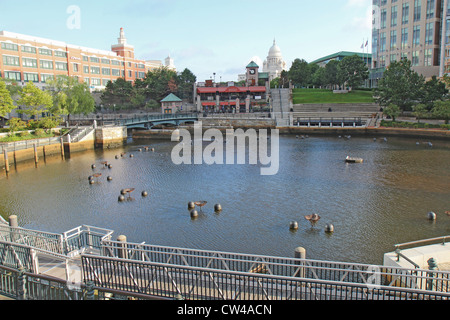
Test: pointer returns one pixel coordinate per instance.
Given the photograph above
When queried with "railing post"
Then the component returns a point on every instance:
(21, 285)
(90, 294)
(300, 253)
(122, 250)
(432, 265)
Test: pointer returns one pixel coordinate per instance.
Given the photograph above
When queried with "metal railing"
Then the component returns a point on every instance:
(28, 144)
(85, 237)
(21, 285)
(46, 241)
(277, 266)
(325, 122)
(169, 280)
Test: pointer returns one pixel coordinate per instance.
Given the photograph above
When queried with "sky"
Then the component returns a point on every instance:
(204, 36)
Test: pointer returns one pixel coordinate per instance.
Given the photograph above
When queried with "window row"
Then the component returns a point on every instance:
(405, 13)
(405, 38)
(415, 57)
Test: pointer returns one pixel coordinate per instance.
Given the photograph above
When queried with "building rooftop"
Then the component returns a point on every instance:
(342, 54)
(171, 98)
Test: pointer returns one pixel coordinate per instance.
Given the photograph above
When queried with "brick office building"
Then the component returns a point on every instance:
(27, 58)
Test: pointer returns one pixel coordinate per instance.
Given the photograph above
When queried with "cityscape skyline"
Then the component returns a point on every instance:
(222, 38)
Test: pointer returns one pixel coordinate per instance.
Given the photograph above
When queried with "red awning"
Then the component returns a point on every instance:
(231, 89)
(208, 103)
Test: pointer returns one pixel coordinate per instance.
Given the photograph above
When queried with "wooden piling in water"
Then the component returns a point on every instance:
(62, 148)
(5, 155)
(36, 158)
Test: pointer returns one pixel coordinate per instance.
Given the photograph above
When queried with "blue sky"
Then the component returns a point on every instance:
(205, 36)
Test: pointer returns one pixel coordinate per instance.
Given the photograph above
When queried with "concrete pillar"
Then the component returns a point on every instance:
(13, 221)
(300, 253)
(122, 247)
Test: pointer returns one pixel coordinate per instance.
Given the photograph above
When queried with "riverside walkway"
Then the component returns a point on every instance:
(85, 263)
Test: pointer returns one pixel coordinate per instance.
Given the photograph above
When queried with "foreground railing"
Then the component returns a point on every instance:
(281, 266)
(21, 285)
(171, 281)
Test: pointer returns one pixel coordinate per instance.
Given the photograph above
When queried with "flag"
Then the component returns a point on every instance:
(362, 46)
(367, 43)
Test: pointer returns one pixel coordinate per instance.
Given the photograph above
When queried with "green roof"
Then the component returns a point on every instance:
(263, 75)
(252, 65)
(343, 54)
(171, 98)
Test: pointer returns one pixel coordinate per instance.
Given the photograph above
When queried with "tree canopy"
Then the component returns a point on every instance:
(34, 100)
(6, 102)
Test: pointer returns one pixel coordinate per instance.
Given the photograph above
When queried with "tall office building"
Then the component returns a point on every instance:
(412, 29)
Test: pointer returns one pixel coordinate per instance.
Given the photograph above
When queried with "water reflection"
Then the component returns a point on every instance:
(372, 205)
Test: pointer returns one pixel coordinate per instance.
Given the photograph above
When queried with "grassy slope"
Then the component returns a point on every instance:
(327, 96)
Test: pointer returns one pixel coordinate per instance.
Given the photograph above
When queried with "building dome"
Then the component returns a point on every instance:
(275, 50)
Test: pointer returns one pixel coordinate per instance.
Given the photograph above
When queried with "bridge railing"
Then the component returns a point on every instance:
(279, 266)
(195, 283)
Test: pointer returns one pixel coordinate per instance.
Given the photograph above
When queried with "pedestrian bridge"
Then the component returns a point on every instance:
(85, 263)
(149, 121)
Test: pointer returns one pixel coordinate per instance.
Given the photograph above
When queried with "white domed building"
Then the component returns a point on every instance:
(274, 63)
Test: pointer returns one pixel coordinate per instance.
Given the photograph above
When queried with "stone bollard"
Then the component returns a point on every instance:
(300, 253)
(122, 252)
(13, 221)
(21, 285)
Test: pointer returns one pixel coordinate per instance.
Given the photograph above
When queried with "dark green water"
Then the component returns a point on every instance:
(372, 205)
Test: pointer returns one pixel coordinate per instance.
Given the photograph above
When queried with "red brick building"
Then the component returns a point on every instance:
(27, 58)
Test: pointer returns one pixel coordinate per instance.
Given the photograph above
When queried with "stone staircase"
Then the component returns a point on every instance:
(281, 105)
(77, 134)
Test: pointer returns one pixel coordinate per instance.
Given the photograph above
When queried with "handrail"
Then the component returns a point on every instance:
(415, 243)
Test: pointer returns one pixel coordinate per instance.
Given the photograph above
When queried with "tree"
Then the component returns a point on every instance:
(117, 93)
(392, 111)
(331, 73)
(400, 85)
(299, 73)
(6, 102)
(15, 124)
(34, 100)
(420, 111)
(441, 110)
(70, 96)
(319, 78)
(352, 71)
(433, 90)
(186, 81)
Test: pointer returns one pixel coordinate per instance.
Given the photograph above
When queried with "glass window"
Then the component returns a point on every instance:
(13, 75)
(95, 82)
(417, 9)
(75, 67)
(115, 62)
(405, 13)
(62, 54)
(416, 35)
(34, 77)
(28, 49)
(29, 63)
(61, 66)
(429, 33)
(404, 38)
(95, 70)
(86, 69)
(94, 59)
(394, 16)
(11, 61)
(106, 61)
(45, 52)
(393, 39)
(106, 71)
(85, 58)
(46, 64)
(415, 58)
(428, 58)
(430, 9)
(45, 77)
(10, 46)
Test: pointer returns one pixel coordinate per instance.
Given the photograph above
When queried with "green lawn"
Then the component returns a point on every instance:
(327, 96)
